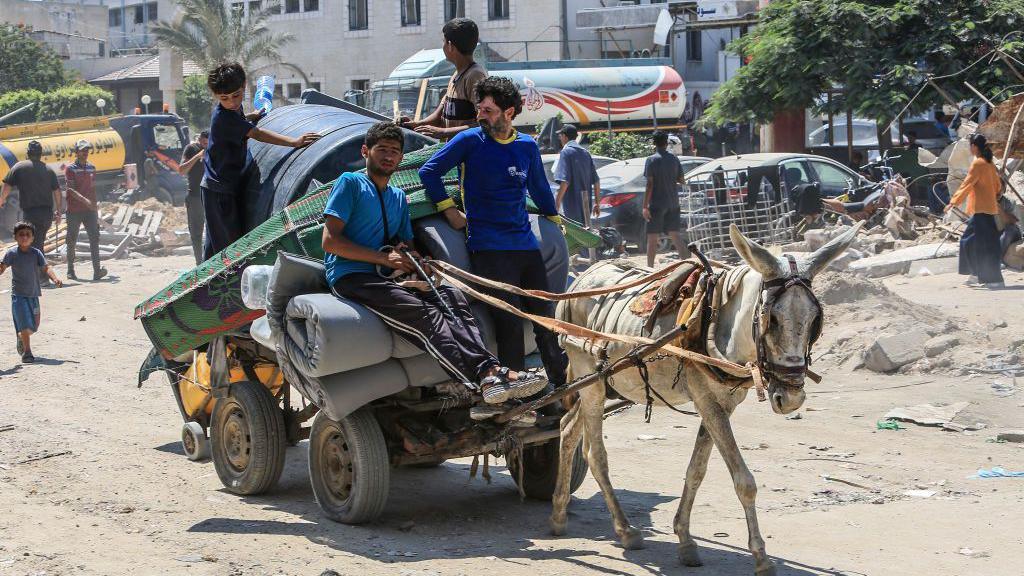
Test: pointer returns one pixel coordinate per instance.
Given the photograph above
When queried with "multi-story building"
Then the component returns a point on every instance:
(128, 24)
(342, 45)
(72, 29)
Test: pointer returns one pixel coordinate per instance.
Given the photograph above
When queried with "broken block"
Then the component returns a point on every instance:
(888, 353)
(940, 344)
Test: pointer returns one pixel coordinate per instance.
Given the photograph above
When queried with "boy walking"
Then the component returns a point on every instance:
(26, 261)
(227, 155)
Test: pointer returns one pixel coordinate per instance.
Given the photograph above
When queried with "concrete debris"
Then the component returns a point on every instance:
(889, 353)
(899, 261)
(927, 414)
(1016, 436)
(940, 344)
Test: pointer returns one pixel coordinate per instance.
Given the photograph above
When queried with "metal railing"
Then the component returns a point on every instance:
(712, 201)
(540, 50)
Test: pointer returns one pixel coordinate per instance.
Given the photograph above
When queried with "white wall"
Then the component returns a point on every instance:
(329, 53)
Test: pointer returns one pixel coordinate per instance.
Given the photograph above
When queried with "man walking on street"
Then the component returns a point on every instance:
(661, 199)
(81, 190)
(498, 168)
(191, 166)
(38, 194)
(576, 175)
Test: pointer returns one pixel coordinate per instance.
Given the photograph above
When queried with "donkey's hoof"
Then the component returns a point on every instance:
(768, 569)
(689, 555)
(632, 539)
(557, 527)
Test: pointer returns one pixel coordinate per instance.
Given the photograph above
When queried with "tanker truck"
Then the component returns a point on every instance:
(117, 141)
(624, 94)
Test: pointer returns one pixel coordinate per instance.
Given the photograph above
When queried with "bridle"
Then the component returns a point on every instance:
(771, 290)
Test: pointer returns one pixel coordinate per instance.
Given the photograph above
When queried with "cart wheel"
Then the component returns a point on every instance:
(194, 442)
(247, 436)
(540, 473)
(348, 467)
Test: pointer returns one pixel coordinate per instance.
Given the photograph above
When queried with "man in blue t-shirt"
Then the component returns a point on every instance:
(227, 154)
(499, 167)
(364, 214)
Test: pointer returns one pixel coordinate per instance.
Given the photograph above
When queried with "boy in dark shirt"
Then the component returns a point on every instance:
(226, 156)
(191, 167)
(26, 261)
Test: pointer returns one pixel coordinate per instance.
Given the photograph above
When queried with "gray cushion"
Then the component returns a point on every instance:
(350, 391)
(293, 276)
(335, 335)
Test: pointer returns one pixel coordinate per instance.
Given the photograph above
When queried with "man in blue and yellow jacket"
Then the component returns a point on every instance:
(498, 168)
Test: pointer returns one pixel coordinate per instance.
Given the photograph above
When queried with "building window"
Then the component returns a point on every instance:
(315, 86)
(497, 9)
(362, 84)
(152, 12)
(410, 12)
(310, 5)
(274, 7)
(357, 15)
(138, 14)
(255, 6)
(294, 91)
(238, 8)
(694, 52)
(114, 18)
(291, 6)
(454, 9)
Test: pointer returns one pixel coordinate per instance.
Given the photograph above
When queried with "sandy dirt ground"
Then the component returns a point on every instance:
(120, 498)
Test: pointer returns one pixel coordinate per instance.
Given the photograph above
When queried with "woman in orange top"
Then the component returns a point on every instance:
(980, 250)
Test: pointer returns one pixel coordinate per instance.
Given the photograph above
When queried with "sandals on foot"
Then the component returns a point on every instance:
(526, 385)
(494, 389)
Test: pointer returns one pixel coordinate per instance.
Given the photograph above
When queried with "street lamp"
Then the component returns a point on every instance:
(101, 104)
(145, 101)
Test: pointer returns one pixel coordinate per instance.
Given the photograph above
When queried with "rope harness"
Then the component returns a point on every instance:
(752, 375)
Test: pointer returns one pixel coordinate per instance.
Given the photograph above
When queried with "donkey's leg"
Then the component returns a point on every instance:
(572, 433)
(716, 419)
(592, 412)
(688, 554)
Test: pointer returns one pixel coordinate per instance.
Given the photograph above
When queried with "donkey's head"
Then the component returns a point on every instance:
(787, 318)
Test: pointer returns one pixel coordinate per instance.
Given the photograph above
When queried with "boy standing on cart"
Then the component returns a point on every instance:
(366, 226)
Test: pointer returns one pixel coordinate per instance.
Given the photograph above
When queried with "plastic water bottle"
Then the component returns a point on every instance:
(263, 99)
(255, 282)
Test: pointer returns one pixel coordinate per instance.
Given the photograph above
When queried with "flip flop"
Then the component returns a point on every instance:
(494, 389)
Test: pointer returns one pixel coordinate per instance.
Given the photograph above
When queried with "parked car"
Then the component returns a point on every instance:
(832, 177)
(551, 162)
(622, 193)
(865, 134)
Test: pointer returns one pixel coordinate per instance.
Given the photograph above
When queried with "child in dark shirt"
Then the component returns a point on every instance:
(26, 261)
(225, 159)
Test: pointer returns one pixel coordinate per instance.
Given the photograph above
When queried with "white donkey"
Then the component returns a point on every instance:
(778, 291)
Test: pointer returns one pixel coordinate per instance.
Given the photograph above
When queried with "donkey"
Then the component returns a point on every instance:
(786, 326)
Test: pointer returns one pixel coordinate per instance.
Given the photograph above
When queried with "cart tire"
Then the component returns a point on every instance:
(194, 442)
(348, 467)
(540, 473)
(247, 439)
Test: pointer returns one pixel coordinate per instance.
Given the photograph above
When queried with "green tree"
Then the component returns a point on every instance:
(73, 101)
(210, 33)
(27, 64)
(194, 102)
(11, 101)
(877, 53)
(620, 145)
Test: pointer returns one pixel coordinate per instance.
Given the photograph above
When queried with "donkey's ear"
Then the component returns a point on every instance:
(827, 253)
(756, 255)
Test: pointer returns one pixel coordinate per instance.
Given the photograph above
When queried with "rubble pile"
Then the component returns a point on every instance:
(145, 228)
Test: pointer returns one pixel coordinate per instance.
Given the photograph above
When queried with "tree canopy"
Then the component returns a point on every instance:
(210, 33)
(26, 64)
(876, 53)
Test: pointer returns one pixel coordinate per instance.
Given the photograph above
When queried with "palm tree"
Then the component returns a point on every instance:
(210, 34)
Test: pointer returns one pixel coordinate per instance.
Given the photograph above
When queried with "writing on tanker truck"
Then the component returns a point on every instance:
(116, 141)
(629, 92)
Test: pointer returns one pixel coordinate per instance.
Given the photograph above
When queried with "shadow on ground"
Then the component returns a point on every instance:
(441, 513)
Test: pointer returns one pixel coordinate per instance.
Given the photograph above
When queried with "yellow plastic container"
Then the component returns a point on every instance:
(195, 385)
